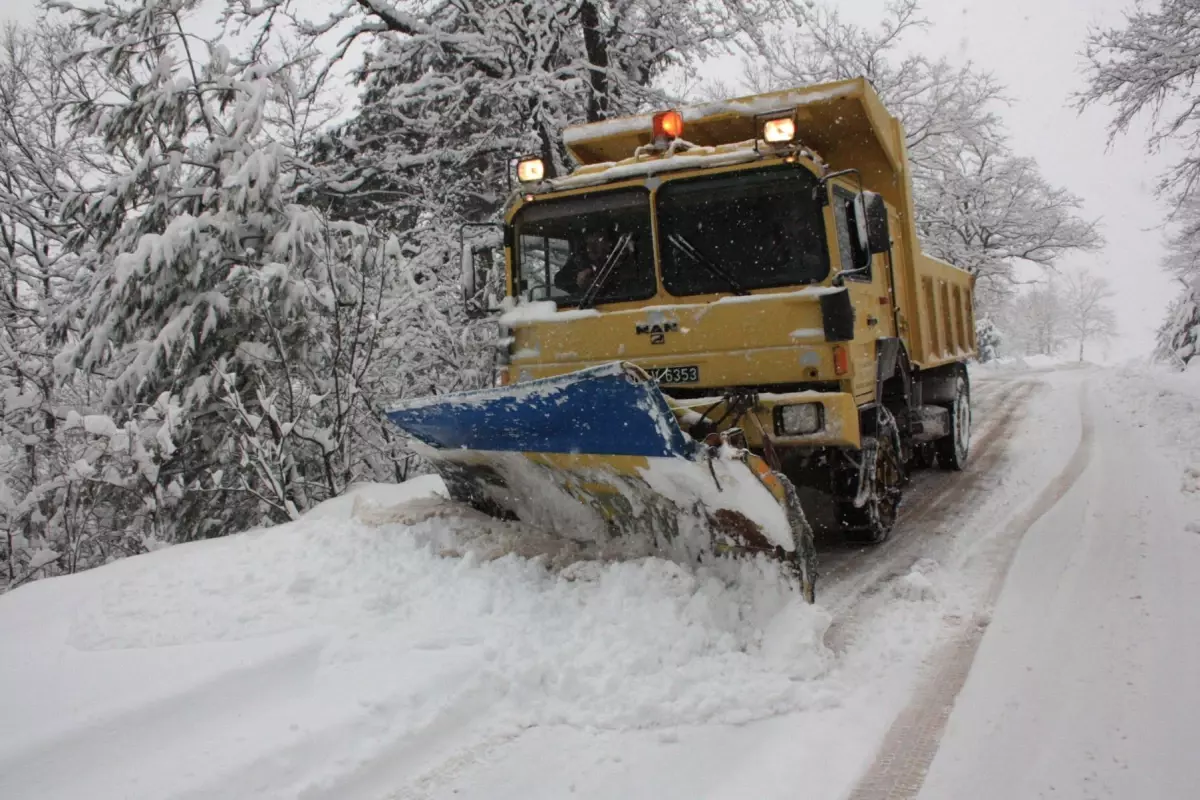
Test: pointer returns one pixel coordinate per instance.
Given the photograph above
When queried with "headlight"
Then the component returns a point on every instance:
(779, 131)
(798, 419)
(530, 170)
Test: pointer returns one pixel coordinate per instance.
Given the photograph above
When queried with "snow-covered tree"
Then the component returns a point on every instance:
(1087, 315)
(982, 208)
(450, 84)
(979, 205)
(1037, 320)
(941, 104)
(1179, 334)
(989, 339)
(1147, 68)
(53, 516)
(215, 285)
(1180, 330)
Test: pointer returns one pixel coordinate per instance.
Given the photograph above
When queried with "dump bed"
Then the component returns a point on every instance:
(942, 327)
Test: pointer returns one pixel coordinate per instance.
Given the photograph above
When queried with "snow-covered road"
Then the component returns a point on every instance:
(389, 645)
(1087, 683)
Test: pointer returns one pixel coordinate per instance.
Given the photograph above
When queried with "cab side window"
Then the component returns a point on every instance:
(848, 249)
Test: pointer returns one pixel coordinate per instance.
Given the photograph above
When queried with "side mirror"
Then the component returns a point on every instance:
(866, 208)
(860, 230)
(878, 237)
(474, 279)
(478, 253)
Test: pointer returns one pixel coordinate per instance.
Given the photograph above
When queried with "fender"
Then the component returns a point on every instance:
(890, 359)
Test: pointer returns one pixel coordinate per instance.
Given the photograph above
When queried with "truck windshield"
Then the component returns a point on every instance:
(596, 246)
(729, 233)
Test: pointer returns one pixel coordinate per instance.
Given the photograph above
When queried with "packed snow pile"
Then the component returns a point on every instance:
(917, 585)
(308, 656)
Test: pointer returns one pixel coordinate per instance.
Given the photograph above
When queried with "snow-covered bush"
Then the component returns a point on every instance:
(1179, 336)
(988, 338)
(88, 490)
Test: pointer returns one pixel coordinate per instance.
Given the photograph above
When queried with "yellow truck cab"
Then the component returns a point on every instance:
(759, 258)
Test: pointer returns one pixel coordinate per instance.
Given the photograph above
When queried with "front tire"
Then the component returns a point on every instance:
(872, 521)
(954, 447)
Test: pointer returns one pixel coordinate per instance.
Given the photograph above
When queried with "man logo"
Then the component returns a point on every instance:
(657, 331)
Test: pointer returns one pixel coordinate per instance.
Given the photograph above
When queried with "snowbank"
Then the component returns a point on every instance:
(348, 651)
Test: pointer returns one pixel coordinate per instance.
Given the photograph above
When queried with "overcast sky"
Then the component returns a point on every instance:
(1032, 47)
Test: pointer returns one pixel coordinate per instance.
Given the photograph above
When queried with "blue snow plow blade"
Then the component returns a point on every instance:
(598, 455)
(614, 409)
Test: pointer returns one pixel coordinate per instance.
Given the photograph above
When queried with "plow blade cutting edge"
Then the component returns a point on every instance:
(598, 454)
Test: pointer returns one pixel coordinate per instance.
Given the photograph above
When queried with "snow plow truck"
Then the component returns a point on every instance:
(721, 309)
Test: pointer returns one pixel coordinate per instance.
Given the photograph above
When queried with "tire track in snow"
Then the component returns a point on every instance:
(909, 746)
(847, 574)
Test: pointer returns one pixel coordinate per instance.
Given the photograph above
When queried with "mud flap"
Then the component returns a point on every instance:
(597, 455)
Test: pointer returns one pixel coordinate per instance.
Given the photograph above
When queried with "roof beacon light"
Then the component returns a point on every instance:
(779, 131)
(668, 125)
(530, 170)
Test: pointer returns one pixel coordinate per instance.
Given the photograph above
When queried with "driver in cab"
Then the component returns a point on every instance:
(581, 269)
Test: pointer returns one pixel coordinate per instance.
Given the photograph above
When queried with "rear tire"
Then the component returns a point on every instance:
(954, 447)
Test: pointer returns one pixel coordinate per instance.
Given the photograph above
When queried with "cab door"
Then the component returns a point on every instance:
(870, 294)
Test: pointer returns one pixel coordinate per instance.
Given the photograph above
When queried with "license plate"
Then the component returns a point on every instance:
(687, 374)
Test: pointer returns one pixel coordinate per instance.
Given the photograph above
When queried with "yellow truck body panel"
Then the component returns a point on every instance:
(773, 337)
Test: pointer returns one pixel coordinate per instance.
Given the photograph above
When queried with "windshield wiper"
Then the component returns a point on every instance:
(610, 264)
(690, 250)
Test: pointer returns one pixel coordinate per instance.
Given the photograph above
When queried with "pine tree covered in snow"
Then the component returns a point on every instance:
(66, 495)
(216, 290)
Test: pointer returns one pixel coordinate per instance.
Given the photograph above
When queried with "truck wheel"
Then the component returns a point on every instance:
(871, 521)
(953, 448)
